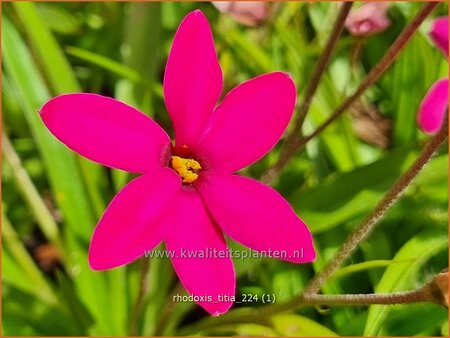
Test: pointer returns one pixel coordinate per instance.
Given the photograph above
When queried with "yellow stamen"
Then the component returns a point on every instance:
(186, 168)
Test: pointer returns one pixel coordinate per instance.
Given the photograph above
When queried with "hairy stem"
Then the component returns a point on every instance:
(312, 85)
(310, 296)
(261, 314)
(169, 309)
(320, 67)
(389, 57)
(140, 300)
(405, 297)
(389, 199)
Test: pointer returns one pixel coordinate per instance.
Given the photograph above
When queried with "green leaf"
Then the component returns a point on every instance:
(358, 267)
(30, 194)
(59, 161)
(32, 276)
(62, 80)
(143, 23)
(400, 321)
(249, 330)
(56, 66)
(62, 169)
(76, 308)
(403, 276)
(23, 314)
(59, 19)
(402, 97)
(248, 51)
(298, 326)
(350, 195)
(106, 63)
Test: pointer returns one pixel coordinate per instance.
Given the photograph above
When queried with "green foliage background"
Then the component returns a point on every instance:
(119, 49)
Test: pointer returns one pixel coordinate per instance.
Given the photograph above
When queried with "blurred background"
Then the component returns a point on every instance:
(53, 198)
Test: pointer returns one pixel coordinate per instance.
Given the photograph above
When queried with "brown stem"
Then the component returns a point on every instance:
(405, 297)
(249, 315)
(389, 199)
(140, 300)
(260, 315)
(168, 309)
(313, 84)
(375, 73)
(320, 67)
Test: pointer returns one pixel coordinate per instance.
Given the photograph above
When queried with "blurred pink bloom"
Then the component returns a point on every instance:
(439, 34)
(434, 105)
(250, 13)
(188, 195)
(368, 19)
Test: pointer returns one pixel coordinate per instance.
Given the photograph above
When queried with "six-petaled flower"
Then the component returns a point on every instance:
(188, 194)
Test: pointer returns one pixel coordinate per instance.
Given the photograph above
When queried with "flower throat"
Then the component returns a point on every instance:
(187, 168)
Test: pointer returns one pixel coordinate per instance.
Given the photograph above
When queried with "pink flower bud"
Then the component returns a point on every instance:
(439, 34)
(250, 13)
(368, 19)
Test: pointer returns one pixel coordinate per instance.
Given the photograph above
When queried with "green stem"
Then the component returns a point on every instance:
(24, 260)
(29, 192)
(140, 300)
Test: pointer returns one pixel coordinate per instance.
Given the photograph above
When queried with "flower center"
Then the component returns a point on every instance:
(187, 168)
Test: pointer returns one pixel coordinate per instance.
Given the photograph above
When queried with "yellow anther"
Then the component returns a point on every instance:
(186, 168)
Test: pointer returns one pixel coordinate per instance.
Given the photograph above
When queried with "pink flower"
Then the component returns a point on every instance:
(439, 34)
(434, 105)
(250, 13)
(368, 19)
(188, 194)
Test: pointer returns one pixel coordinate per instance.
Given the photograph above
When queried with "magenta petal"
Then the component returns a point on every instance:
(195, 233)
(258, 217)
(439, 34)
(132, 223)
(193, 79)
(106, 131)
(433, 107)
(249, 122)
